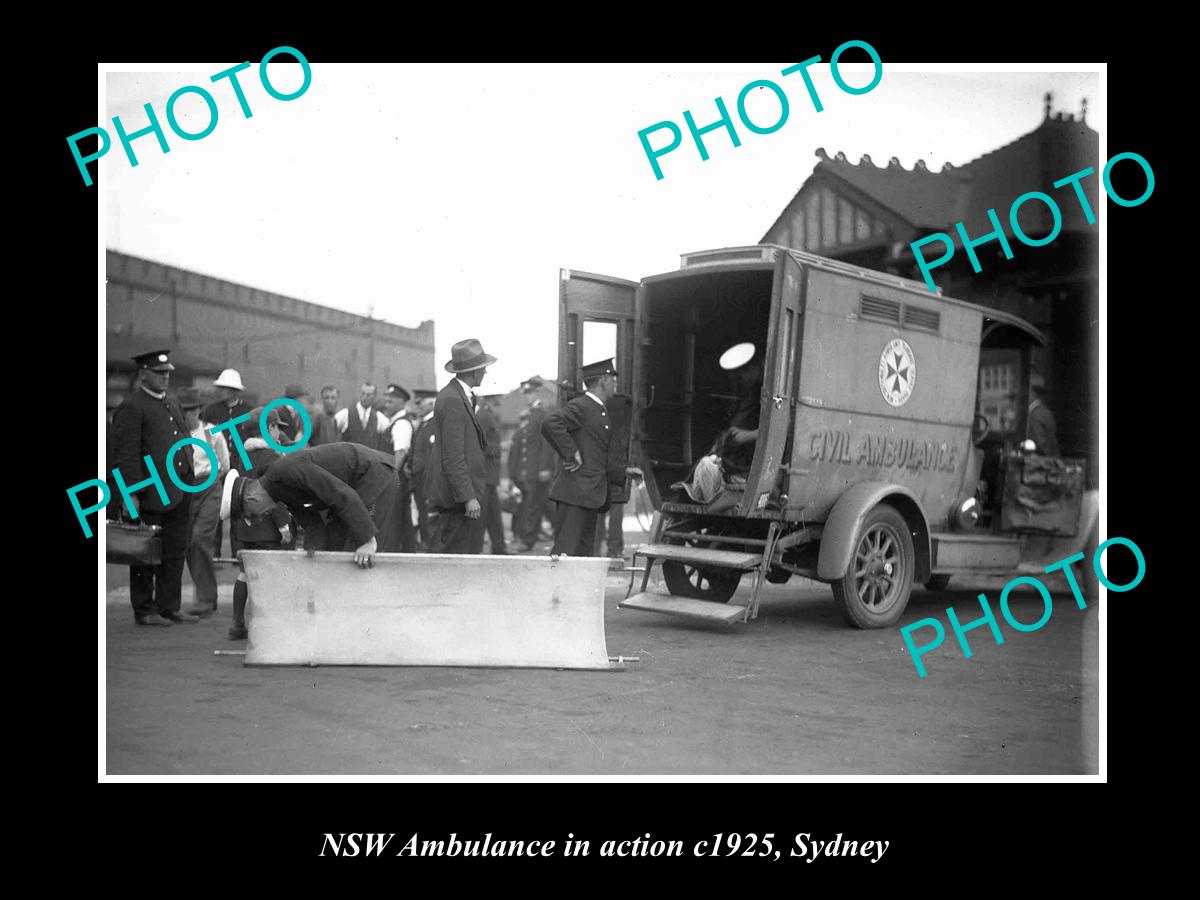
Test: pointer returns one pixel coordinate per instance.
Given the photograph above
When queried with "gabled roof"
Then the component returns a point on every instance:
(920, 197)
(1060, 146)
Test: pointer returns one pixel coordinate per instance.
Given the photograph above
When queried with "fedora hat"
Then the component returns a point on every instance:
(189, 398)
(230, 379)
(467, 356)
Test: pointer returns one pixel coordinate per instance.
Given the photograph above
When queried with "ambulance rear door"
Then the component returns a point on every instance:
(596, 315)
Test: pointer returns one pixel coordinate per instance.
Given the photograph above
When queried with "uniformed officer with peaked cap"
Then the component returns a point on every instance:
(147, 423)
(580, 433)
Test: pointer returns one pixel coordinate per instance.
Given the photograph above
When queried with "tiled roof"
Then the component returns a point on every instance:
(1061, 145)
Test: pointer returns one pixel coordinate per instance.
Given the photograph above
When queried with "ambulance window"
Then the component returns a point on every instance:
(599, 343)
(787, 350)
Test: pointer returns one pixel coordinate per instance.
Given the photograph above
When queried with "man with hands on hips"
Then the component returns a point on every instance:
(580, 432)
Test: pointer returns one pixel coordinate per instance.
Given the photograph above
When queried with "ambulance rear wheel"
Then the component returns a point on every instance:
(717, 585)
(875, 589)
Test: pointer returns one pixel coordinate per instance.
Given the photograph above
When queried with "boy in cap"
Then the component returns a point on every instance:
(257, 522)
(148, 424)
(580, 433)
(399, 442)
(418, 460)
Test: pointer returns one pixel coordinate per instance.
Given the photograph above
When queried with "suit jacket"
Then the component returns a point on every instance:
(457, 468)
(582, 424)
(143, 426)
(490, 424)
(345, 478)
(1041, 429)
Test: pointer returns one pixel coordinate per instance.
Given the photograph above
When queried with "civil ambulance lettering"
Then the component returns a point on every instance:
(880, 451)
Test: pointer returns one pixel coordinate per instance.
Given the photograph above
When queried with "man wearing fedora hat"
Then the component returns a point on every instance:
(205, 505)
(146, 425)
(456, 476)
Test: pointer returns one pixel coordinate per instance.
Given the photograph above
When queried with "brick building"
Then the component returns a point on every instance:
(272, 340)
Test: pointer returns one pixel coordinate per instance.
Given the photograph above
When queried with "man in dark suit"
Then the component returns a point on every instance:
(456, 477)
(355, 486)
(493, 521)
(148, 424)
(580, 433)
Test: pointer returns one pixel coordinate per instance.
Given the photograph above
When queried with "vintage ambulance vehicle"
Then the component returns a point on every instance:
(872, 469)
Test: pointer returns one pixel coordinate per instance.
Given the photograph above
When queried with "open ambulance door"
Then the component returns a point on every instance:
(596, 315)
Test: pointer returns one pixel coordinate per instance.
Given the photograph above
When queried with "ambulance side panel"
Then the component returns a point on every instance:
(863, 339)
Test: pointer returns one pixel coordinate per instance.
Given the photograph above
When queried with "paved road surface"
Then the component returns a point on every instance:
(794, 692)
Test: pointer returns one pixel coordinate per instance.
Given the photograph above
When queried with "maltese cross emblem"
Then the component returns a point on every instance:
(897, 372)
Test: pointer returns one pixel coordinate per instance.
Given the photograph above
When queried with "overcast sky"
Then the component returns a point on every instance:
(457, 192)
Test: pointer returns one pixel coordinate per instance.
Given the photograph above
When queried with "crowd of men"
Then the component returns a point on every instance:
(398, 472)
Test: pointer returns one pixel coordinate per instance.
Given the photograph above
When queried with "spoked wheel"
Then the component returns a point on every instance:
(875, 589)
(700, 583)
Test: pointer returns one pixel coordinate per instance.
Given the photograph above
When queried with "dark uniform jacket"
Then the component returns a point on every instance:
(517, 451)
(219, 412)
(344, 478)
(143, 426)
(457, 468)
(422, 449)
(582, 424)
(490, 424)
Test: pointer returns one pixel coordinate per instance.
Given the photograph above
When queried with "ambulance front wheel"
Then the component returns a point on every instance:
(875, 589)
(717, 585)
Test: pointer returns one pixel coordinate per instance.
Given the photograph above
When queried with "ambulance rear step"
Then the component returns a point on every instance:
(685, 607)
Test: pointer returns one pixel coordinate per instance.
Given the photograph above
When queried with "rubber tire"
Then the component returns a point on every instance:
(723, 583)
(937, 583)
(881, 520)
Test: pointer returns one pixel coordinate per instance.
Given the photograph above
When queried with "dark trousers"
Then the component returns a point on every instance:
(157, 589)
(615, 536)
(424, 537)
(455, 532)
(402, 518)
(533, 509)
(493, 522)
(575, 531)
(205, 516)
